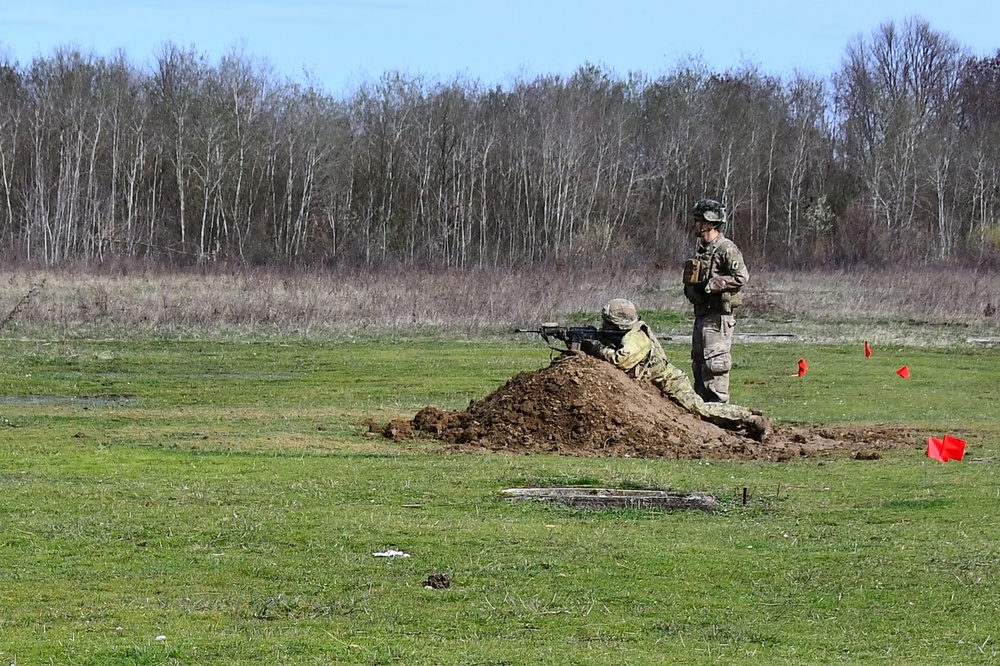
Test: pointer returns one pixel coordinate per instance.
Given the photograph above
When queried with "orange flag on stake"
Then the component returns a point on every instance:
(803, 368)
(903, 372)
(868, 350)
(948, 448)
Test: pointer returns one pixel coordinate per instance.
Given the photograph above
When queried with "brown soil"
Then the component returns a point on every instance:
(580, 406)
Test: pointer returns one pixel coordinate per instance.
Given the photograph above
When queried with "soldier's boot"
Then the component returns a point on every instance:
(759, 427)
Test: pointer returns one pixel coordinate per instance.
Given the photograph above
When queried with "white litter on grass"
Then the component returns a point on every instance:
(161, 637)
(392, 553)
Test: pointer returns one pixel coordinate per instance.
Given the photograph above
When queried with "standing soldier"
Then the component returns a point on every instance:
(713, 278)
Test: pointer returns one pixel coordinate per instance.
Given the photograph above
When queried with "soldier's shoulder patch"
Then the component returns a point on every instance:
(736, 264)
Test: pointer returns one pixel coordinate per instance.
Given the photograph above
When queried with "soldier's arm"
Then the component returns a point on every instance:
(635, 347)
(731, 273)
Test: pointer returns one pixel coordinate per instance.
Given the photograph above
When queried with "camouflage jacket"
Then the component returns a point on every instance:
(720, 263)
(640, 355)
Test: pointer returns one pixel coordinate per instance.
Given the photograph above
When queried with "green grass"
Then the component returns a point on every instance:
(229, 497)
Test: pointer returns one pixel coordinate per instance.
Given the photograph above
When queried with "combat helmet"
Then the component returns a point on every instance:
(711, 211)
(620, 312)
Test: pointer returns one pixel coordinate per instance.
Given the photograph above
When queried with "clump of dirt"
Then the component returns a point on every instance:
(581, 406)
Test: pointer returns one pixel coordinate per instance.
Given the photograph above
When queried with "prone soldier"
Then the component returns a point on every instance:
(639, 354)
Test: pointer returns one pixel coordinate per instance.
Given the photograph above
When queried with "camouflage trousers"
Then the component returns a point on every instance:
(711, 358)
(674, 384)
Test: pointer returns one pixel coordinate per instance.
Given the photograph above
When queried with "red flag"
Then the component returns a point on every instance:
(868, 350)
(949, 448)
(953, 447)
(935, 449)
(803, 368)
(903, 372)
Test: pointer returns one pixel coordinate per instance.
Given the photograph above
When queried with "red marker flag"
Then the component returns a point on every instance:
(868, 350)
(949, 448)
(803, 368)
(935, 449)
(953, 447)
(903, 372)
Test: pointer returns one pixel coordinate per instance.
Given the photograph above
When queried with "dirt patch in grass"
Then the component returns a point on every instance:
(580, 406)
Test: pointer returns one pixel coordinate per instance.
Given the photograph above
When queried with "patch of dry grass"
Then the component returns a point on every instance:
(955, 295)
(912, 307)
(932, 307)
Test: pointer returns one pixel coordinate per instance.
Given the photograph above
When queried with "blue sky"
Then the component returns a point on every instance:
(342, 42)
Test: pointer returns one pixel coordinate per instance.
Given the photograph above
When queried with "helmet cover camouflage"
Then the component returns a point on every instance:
(621, 313)
(711, 210)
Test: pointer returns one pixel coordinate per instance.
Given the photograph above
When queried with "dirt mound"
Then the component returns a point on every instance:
(580, 406)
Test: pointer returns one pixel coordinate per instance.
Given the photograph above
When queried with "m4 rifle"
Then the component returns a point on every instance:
(572, 336)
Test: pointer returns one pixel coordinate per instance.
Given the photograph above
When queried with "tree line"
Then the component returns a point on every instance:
(895, 157)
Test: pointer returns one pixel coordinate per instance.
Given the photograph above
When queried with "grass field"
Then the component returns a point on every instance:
(183, 501)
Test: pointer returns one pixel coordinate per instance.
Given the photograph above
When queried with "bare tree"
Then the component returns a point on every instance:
(979, 108)
(806, 141)
(894, 93)
(12, 111)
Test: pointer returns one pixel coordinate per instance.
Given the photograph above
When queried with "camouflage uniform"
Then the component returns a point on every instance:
(712, 281)
(641, 357)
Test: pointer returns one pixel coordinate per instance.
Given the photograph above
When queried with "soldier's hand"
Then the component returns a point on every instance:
(592, 347)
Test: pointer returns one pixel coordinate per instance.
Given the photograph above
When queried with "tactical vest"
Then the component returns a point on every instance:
(702, 267)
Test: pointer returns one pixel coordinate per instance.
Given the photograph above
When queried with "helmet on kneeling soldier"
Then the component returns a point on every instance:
(621, 313)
